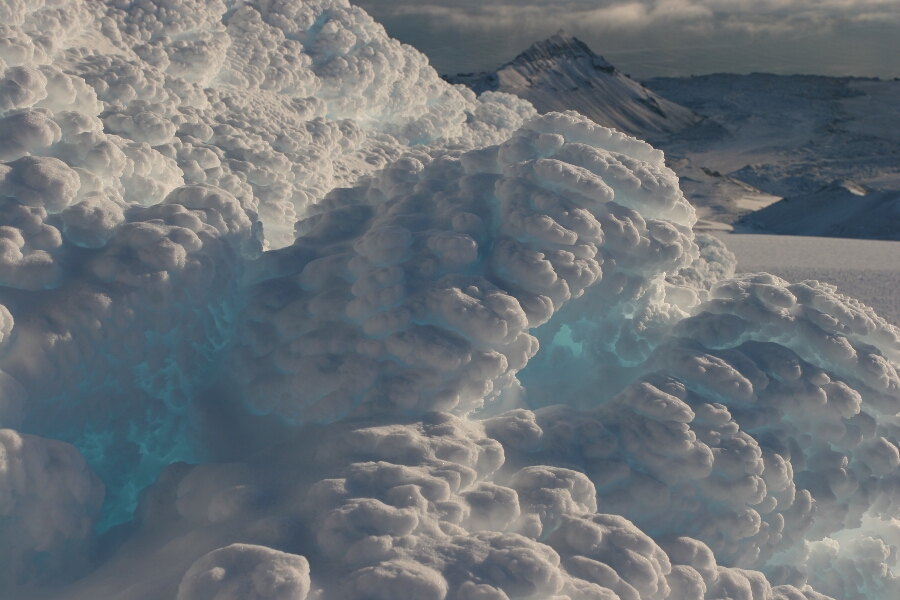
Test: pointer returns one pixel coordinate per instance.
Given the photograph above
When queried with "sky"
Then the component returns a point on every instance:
(649, 38)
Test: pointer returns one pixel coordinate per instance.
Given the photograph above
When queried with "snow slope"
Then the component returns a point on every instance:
(782, 136)
(842, 209)
(562, 73)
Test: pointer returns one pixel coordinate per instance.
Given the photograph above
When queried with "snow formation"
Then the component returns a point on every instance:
(286, 316)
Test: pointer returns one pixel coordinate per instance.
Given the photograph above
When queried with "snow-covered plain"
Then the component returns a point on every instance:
(285, 316)
(868, 270)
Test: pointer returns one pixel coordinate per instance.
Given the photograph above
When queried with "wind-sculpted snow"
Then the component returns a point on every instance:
(283, 315)
(416, 290)
(49, 498)
(147, 151)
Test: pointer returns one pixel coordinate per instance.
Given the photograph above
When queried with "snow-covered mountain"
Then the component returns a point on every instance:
(767, 137)
(562, 73)
(840, 209)
(737, 142)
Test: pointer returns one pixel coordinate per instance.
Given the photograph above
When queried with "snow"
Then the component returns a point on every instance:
(284, 315)
(737, 142)
(875, 110)
(865, 269)
(562, 73)
(767, 137)
(842, 209)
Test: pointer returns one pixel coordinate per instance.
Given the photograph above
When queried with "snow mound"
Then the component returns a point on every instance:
(842, 209)
(148, 152)
(246, 572)
(326, 327)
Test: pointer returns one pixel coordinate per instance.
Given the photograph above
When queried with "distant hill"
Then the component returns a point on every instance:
(789, 136)
(841, 209)
(739, 143)
(562, 73)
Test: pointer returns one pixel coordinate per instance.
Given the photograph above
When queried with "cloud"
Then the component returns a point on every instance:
(460, 35)
(639, 13)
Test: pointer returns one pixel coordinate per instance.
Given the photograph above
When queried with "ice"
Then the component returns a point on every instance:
(864, 269)
(49, 500)
(283, 315)
(243, 571)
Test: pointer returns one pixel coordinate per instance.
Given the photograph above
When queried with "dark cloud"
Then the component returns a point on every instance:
(658, 37)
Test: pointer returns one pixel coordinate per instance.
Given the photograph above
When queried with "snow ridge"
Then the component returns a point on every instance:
(843, 208)
(562, 73)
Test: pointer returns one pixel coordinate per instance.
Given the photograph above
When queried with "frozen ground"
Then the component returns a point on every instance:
(865, 269)
(773, 136)
(788, 135)
(843, 209)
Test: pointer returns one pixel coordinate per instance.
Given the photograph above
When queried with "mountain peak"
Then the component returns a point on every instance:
(561, 46)
(561, 73)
